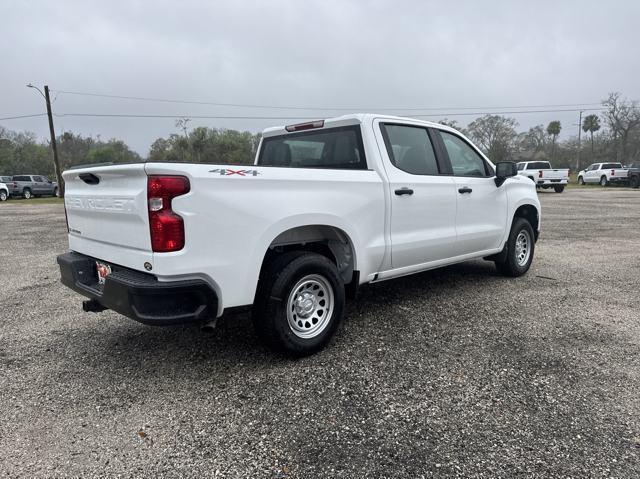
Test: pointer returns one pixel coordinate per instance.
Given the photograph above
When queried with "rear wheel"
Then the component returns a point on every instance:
(520, 247)
(603, 181)
(3, 195)
(26, 193)
(580, 180)
(299, 303)
(559, 188)
(634, 182)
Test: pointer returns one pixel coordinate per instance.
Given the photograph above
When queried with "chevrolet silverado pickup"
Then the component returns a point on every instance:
(541, 173)
(603, 174)
(4, 192)
(326, 206)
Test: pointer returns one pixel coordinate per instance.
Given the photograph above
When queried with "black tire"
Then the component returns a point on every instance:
(603, 181)
(634, 182)
(26, 194)
(4, 196)
(581, 180)
(276, 289)
(511, 266)
(559, 188)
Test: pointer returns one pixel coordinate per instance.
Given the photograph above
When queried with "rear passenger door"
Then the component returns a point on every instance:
(481, 214)
(38, 186)
(422, 196)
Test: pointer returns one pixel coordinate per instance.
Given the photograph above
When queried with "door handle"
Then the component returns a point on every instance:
(464, 190)
(404, 191)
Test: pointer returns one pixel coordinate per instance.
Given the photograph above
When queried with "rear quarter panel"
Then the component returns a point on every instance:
(231, 219)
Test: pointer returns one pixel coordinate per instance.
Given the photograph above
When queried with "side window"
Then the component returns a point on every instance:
(464, 159)
(410, 149)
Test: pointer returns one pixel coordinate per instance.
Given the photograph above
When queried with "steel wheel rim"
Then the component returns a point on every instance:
(523, 248)
(310, 306)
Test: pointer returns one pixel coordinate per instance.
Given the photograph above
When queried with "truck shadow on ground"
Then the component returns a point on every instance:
(111, 341)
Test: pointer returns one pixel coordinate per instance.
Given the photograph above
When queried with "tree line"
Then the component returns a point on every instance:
(611, 135)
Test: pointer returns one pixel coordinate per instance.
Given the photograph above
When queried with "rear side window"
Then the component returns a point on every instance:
(520, 166)
(333, 148)
(410, 149)
(21, 178)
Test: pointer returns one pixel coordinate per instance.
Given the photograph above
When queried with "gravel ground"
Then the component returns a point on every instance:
(453, 373)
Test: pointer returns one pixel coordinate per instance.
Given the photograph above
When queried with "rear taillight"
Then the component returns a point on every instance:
(613, 172)
(167, 228)
(541, 172)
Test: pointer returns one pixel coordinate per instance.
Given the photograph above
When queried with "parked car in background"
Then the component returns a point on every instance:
(4, 192)
(603, 174)
(633, 175)
(328, 205)
(29, 186)
(541, 173)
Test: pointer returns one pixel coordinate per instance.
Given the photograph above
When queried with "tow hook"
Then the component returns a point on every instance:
(92, 306)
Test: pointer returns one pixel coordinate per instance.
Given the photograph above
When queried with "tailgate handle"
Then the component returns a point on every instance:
(89, 178)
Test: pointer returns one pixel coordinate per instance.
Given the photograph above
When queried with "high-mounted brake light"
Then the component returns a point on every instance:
(310, 125)
(541, 173)
(167, 228)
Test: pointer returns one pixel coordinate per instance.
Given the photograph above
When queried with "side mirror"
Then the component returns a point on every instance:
(504, 170)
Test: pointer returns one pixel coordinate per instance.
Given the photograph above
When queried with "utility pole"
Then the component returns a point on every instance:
(54, 147)
(579, 133)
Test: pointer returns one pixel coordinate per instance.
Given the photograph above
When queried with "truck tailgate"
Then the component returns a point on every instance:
(107, 213)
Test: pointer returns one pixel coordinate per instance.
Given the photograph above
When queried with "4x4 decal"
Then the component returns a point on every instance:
(229, 172)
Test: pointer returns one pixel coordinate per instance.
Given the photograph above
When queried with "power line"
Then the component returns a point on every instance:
(252, 117)
(283, 107)
(22, 116)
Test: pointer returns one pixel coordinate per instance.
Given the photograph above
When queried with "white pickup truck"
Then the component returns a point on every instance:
(603, 174)
(541, 173)
(328, 206)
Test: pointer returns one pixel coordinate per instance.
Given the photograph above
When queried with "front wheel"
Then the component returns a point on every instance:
(520, 247)
(603, 181)
(299, 303)
(3, 195)
(559, 188)
(55, 192)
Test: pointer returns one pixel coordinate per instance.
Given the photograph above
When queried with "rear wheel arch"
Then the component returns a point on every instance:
(329, 241)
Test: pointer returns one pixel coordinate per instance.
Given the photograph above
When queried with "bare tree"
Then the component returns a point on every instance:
(622, 117)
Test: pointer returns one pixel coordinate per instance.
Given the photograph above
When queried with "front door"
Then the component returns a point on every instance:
(423, 201)
(481, 216)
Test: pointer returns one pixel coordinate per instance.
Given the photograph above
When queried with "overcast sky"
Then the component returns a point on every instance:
(361, 55)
